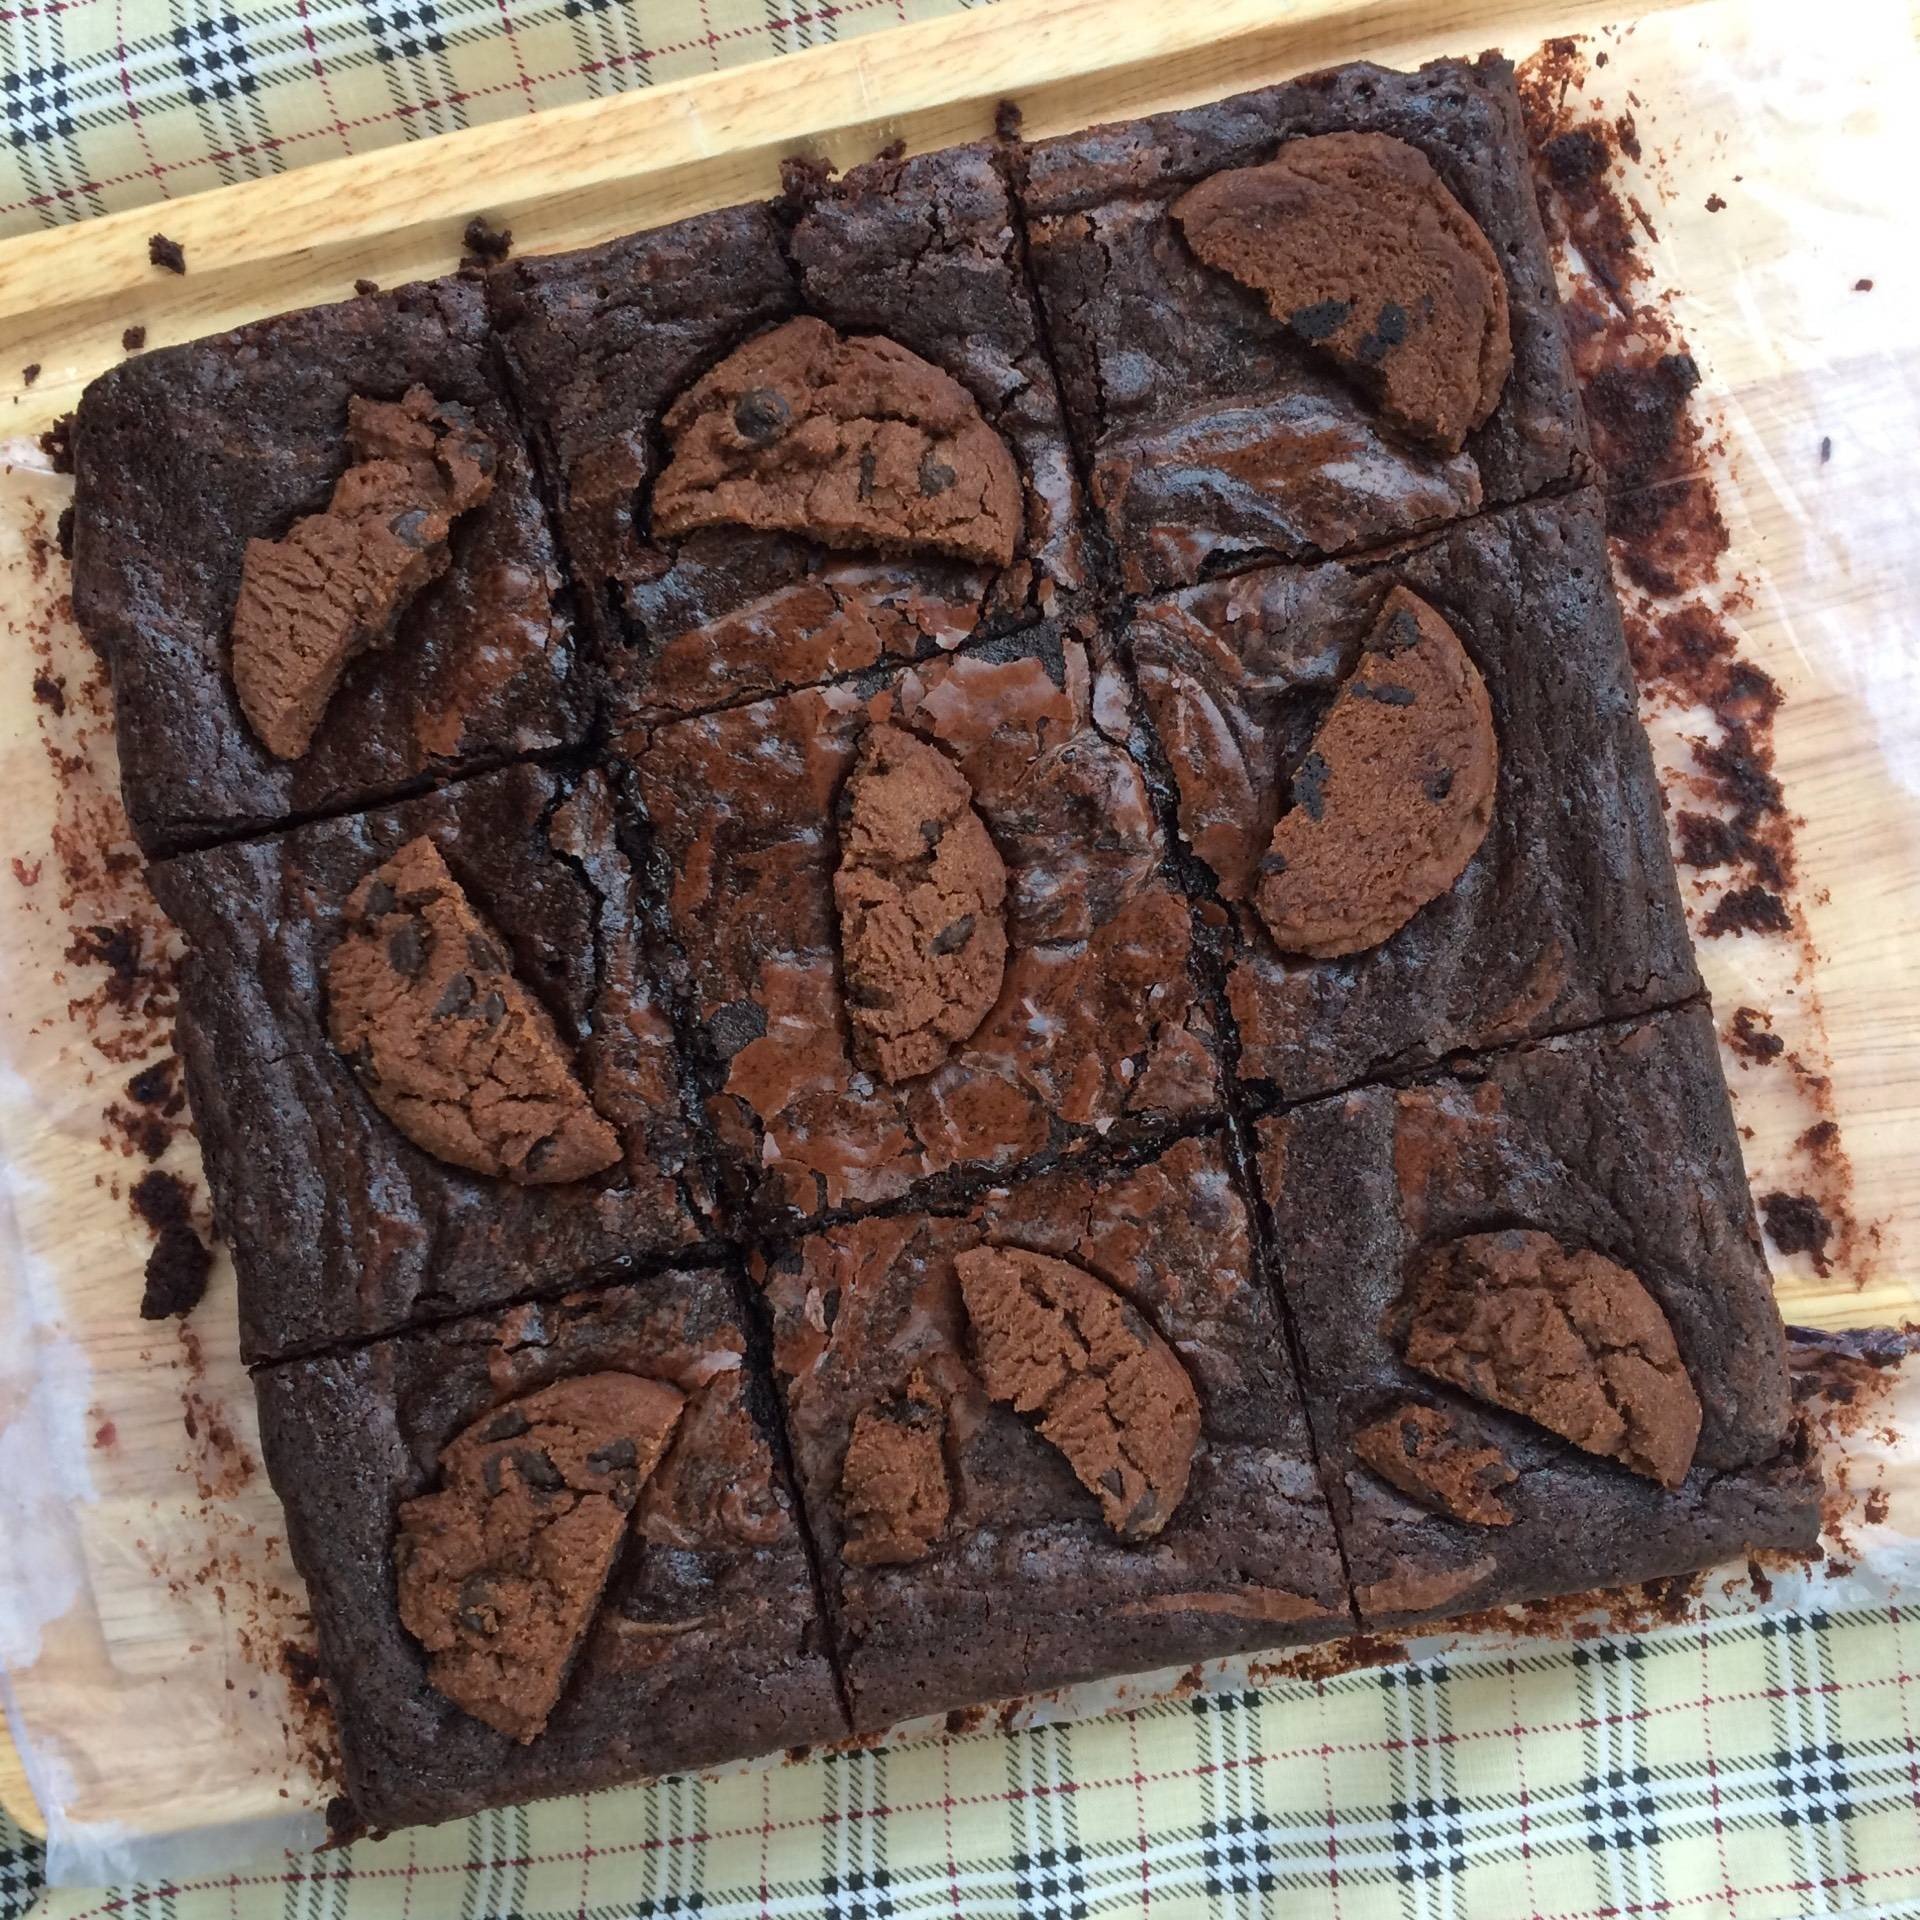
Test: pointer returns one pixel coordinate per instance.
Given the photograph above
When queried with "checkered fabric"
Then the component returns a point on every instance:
(1746, 1769)
(117, 103)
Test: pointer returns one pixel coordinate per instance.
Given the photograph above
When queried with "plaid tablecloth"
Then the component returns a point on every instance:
(1745, 1768)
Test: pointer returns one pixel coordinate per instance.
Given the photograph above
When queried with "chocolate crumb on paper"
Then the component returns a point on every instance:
(170, 254)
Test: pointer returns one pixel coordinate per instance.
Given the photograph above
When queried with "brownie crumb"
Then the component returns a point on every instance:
(153, 1086)
(63, 531)
(30, 373)
(167, 253)
(133, 339)
(1748, 910)
(1826, 448)
(1863, 285)
(57, 444)
(177, 1271)
(366, 288)
(1715, 204)
(1751, 1035)
(162, 1200)
(1007, 120)
(486, 244)
(1796, 1223)
(50, 692)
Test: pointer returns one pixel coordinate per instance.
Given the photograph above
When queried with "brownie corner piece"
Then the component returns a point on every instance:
(312, 554)
(1540, 1343)
(1238, 394)
(993, 1520)
(549, 1549)
(426, 1058)
(1384, 909)
(924, 927)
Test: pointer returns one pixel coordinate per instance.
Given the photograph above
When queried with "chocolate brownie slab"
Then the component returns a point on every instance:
(924, 926)
(1305, 319)
(614, 1590)
(185, 456)
(426, 1065)
(779, 468)
(1050, 1438)
(1353, 953)
(1540, 1342)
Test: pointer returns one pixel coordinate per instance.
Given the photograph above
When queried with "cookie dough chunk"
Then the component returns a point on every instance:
(1562, 1335)
(336, 585)
(1421, 1451)
(851, 440)
(502, 1570)
(1051, 1339)
(894, 1496)
(449, 1045)
(1394, 796)
(921, 892)
(1356, 244)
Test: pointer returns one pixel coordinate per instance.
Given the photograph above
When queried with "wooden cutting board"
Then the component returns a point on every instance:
(154, 1674)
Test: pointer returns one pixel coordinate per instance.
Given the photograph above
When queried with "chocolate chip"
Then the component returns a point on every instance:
(1112, 1480)
(1438, 784)
(1383, 691)
(830, 1306)
(615, 1456)
(935, 475)
(1389, 331)
(409, 527)
(406, 950)
(737, 1024)
(1396, 634)
(538, 1471)
(1310, 786)
(455, 996)
(510, 1426)
(485, 955)
(1271, 862)
(490, 1473)
(1323, 318)
(951, 938)
(761, 416)
(492, 1009)
(869, 463)
(380, 900)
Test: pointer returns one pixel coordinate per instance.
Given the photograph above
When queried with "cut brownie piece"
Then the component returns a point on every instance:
(184, 456)
(777, 472)
(924, 925)
(1051, 1438)
(1540, 1342)
(684, 1632)
(1276, 317)
(427, 1068)
(1567, 911)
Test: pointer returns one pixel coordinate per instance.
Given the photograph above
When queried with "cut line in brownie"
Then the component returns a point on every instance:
(1567, 912)
(382, 1063)
(183, 456)
(1540, 1343)
(1050, 1438)
(1216, 434)
(924, 927)
(704, 1644)
(770, 432)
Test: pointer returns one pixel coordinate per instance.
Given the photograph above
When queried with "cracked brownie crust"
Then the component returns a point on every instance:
(1548, 1268)
(703, 1644)
(184, 455)
(342, 1223)
(1024, 1331)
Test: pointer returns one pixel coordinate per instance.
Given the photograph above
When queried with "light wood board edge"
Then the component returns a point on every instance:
(16, 1797)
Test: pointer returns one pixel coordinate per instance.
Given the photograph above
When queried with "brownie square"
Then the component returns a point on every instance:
(1004, 1573)
(183, 455)
(1095, 1028)
(1215, 434)
(923, 253)
(705, 1646)
(1567, 913)
(1617, 1142)
(341, 1225)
